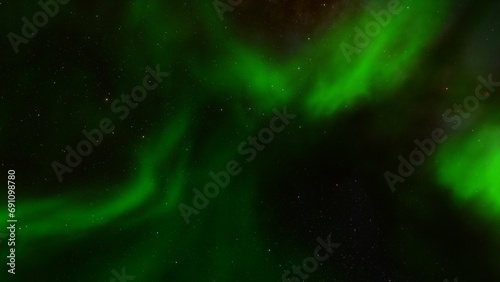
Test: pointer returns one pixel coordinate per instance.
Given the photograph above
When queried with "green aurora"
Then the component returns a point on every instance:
(316, 82)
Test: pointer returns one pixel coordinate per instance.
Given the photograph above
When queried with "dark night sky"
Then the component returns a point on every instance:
(305, 118)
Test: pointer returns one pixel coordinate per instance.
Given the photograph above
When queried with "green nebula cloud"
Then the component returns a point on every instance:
(469, 166)
(317, 80)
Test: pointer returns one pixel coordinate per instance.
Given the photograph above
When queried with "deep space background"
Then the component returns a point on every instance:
(323, 174)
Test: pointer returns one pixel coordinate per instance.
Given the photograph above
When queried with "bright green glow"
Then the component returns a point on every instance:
(470, 168)
(81, 217)
(381, 66)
